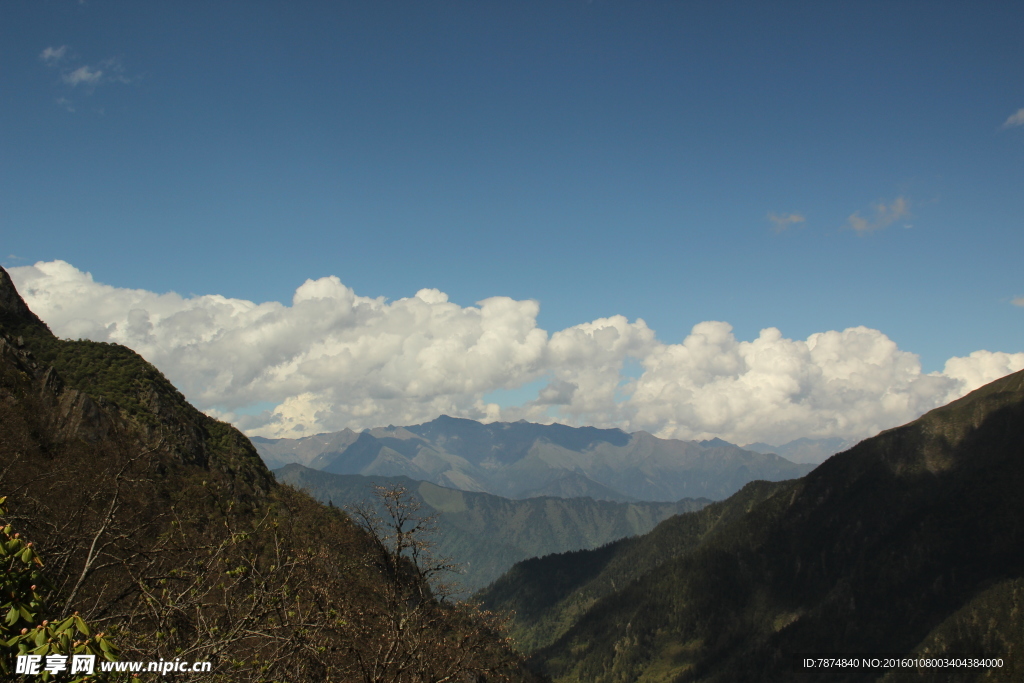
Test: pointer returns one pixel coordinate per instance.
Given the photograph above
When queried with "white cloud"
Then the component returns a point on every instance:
(53, 55)
(783, 222)
(83, 74)
(334, 359)
(850, 384)
(883, 216)
(1019, 301)
(1015, 119)
(74, 74)
(982, 367)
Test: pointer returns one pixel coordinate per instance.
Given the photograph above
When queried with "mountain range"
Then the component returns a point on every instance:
(523, 460)
(162, 527)
(909, 544)
(486, 534)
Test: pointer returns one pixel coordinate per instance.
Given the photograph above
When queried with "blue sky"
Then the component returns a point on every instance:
(794, 165)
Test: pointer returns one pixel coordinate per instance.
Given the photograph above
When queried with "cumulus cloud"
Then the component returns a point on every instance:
(331, 359)
(850, 383)
(1015, 119)
(982, 367)
(883, 216)
(556, 393)
(334, 359)
(782, 222)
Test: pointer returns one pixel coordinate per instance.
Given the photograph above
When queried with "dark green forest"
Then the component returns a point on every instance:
(910, 543)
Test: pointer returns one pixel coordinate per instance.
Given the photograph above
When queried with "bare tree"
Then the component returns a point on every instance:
(403, 541)
(422, 635)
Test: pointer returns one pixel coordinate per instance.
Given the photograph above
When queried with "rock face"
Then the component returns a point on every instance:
(71, 413)
(14, 313)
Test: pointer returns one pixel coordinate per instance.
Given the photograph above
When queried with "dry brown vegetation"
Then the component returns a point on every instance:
(161, 527)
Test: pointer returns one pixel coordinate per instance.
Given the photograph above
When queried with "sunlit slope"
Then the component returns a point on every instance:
(523, 459)
(163, 526)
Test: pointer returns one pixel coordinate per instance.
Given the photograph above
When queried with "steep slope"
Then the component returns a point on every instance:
(550, 594)
(909, 542)
(487, 534)
(522, 459)
(163, 527)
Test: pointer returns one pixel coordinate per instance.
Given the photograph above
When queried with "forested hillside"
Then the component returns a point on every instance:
(484, 534)
(162, 528)
(549, 594)
(910, 542)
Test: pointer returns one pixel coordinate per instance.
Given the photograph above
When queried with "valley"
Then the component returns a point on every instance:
(165, 528)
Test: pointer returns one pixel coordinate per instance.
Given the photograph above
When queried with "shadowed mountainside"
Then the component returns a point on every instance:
(909, 542)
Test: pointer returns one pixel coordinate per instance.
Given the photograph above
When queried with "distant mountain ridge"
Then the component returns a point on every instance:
(804, 450)
(487, 534)
(524, 459)
(312, 451)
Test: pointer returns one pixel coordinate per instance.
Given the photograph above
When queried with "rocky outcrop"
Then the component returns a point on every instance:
(14, 312)
(71, 414)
